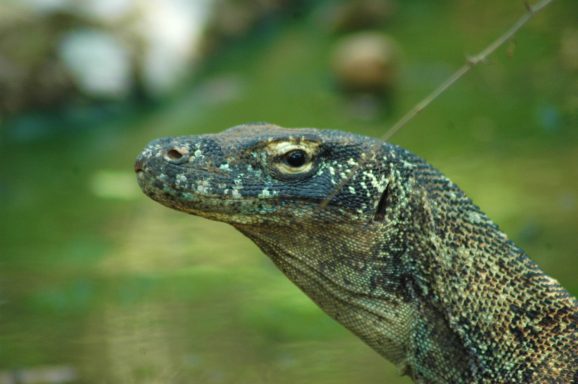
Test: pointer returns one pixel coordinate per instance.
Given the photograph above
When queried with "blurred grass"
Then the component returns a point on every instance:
(96, 276)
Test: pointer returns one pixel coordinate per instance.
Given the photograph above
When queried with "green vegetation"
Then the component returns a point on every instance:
(96, 276)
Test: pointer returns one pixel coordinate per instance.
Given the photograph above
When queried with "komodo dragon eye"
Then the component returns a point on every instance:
(296, 158)
(292, 159)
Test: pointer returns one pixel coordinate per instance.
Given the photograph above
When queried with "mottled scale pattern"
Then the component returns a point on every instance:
(383, 243)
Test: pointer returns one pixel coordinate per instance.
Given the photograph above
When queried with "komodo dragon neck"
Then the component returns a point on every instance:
(400, 256)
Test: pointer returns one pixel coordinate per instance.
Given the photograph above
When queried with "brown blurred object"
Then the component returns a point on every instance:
(569, 49)
(356, 15)
(31, 76)
(235, 19)
(366, 62)
(365, 68)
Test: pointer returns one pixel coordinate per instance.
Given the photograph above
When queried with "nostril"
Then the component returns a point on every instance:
(173, 154)
(176, 154)
(138, 166)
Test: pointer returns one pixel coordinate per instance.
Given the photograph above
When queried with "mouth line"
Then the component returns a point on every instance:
(152, 185)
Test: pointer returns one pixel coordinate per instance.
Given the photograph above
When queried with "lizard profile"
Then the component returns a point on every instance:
(400, 255)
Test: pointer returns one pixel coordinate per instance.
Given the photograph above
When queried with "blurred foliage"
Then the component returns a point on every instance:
(96, 277)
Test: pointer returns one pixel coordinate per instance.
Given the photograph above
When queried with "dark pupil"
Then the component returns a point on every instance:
(296, 158)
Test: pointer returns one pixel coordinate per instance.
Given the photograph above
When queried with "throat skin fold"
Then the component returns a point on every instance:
(382, 319)
(400, 255)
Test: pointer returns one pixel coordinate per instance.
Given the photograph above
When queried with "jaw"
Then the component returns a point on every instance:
(224, 208)
(241, 210)
(245, 211)
(213, 208)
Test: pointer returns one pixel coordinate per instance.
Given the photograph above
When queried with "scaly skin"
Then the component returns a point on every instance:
(400, 256)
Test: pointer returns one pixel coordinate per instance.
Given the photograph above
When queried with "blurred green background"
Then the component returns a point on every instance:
(98, 284)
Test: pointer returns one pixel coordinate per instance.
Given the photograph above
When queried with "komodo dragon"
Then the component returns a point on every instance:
(399, 255)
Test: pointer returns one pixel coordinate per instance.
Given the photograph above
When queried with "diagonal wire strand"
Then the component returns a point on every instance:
(470, 63)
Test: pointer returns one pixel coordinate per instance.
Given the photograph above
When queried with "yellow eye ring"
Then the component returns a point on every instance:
(292, 157)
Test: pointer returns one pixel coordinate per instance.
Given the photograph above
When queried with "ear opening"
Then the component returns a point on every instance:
(382, 205)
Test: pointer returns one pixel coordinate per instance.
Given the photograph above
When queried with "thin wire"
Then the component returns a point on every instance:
(470, 63)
